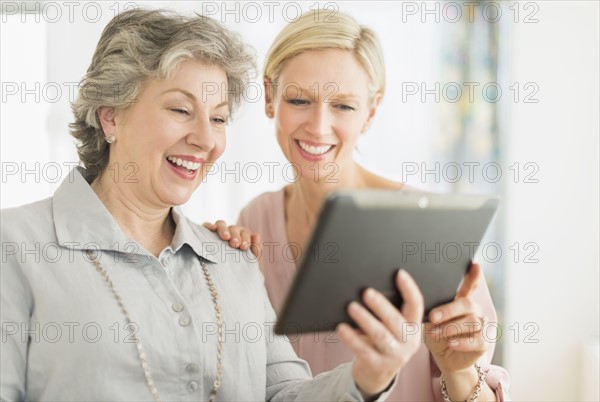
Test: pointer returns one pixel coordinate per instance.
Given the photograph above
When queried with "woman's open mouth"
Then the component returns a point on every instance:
(313, 151)
(186, 169)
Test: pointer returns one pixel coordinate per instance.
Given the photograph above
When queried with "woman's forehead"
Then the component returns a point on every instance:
(331, 70)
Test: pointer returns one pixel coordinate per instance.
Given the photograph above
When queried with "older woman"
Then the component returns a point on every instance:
(128, 300)
(324, 82)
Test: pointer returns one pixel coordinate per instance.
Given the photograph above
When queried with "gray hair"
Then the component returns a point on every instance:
(138, 46)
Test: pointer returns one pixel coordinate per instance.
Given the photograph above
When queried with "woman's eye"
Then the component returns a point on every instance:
(181, 111)
(297, 102)
(219, 120)
(345, 107)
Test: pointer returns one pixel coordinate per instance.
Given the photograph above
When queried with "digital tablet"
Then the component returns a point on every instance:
(363, 237)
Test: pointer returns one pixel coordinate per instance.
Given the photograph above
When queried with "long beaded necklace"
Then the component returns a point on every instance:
(140, 348)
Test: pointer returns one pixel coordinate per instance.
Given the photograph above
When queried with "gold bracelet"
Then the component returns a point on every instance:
(476, 391)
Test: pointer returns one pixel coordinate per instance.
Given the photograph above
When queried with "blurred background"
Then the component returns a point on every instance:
(485, 97)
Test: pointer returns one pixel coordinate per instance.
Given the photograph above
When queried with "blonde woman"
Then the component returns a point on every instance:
(324, 82)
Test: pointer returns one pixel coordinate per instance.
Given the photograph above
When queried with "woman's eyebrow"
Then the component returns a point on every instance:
(345, 96)
(329, 92)
(192, 97)
(183, 91)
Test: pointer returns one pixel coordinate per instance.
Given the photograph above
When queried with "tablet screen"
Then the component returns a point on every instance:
(363, 237)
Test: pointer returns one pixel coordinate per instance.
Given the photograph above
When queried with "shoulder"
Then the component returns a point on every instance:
(202, 233)
(265, 201)
(372, 180)
(34, 210)
(211, 247)
(254, 214)
(24, 219)
(26, 232)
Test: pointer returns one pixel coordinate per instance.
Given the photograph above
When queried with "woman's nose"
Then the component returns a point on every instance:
(202, 135)
(319, 123)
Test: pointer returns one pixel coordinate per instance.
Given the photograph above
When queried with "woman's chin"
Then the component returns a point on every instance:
(173, 199)
(173, 191)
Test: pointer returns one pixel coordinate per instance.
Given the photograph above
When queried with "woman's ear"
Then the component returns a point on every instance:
(269, 95)
(106, 115)
(372, 110)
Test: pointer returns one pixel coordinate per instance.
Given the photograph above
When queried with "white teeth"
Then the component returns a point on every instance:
(186, 164)
(313, 150)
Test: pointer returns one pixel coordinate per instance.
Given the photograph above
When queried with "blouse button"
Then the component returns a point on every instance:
(192, 368)
(192, 386)
(177, 307)
(184, 321)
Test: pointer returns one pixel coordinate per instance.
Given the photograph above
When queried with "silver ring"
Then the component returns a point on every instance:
(389, 347)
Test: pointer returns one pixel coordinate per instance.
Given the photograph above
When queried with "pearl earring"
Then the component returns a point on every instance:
(110, 138)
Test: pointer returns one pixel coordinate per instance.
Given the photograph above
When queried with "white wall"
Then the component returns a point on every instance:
(15, 144)
(402, 130)
(559, 294)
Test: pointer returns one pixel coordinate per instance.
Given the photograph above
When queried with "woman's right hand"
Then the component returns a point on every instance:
(237, 236)
(386, 338)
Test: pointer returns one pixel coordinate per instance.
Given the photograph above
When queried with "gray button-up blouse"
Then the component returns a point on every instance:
(64, 336)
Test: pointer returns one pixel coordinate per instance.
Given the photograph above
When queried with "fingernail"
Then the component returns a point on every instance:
(436, 316)
(353, 306)
(402, 274)
(453, 342)
(369, 293)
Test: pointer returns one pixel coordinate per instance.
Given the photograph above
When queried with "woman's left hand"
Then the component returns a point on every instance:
(237, 236)
(455, 333)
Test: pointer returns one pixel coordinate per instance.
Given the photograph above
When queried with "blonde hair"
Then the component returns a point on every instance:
(340, 31)
(139, 46)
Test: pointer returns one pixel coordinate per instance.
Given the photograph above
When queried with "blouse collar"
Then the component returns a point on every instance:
(82, 222)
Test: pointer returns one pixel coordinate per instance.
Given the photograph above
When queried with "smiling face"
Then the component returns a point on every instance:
(321, 106)
(168, 138)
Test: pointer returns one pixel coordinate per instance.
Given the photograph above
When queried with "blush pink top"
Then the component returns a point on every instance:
(419, 380)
